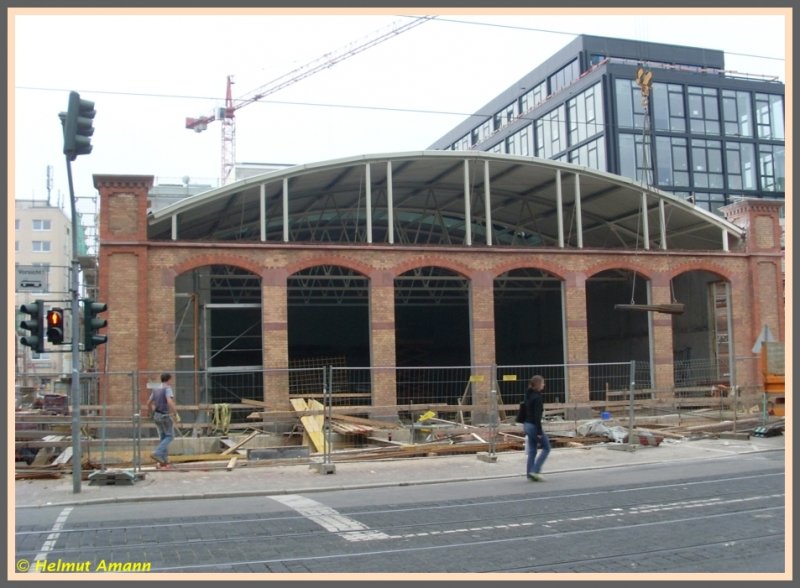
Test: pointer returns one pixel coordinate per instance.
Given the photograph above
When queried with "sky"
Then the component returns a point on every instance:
(148, 72)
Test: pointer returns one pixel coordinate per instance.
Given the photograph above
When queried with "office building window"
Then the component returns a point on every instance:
(707, 164)
(741, 161)
(16, 245)
(520, 143)
(41, 246)
(551, 133)
(464, 143)
(632, 161)
(585, 115)
(771, 168)
(497, 148)
(41, 224)
(672, 162)
(592, 154)
(769, 117)
(16, 224)
(533, 98)
(703, 111)
(630, 113)
(484, 131)
(736, 113)
(667, 106)
(564, 77)
(711, 201)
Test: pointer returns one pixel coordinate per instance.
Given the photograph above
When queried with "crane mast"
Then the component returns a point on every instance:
(226, 114)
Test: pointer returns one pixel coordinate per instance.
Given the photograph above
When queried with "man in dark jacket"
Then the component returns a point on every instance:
(534, 433)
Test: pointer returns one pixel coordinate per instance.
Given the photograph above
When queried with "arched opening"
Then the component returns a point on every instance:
(700, 334)
(218, 338)
(529, 329)
(617, 336)
(432, 328)
(328, 325)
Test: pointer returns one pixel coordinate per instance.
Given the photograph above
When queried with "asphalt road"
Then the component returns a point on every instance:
(711, 516)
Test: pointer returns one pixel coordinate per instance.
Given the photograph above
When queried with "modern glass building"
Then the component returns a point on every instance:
(704, 133)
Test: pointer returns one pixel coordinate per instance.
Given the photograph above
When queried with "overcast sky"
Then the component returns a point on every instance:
(148, 73)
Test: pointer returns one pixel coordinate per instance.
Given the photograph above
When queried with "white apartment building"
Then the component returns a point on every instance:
(42, 259)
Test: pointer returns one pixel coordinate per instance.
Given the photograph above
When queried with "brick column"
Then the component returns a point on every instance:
(382, 342)
(275, 340)
(763, 285)
(123, 254)
(663, 359)
(576, 338)
(483, 342)
(763, 243)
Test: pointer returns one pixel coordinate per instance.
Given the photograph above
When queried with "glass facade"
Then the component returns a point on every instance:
(710, 137)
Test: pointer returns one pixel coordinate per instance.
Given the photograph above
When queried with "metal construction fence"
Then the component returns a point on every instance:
(216, 401)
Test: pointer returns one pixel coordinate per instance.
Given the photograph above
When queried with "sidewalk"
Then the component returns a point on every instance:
(259, 480)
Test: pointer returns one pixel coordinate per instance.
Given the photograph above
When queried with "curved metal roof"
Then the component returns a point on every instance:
(426, 197)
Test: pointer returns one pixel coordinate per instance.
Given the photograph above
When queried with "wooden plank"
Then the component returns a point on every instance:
(377, 424)
(64, 457)
(231, 463)
(233, 448)
(311, 424)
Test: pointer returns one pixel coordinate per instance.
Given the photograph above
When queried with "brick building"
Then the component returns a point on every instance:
(433, 258)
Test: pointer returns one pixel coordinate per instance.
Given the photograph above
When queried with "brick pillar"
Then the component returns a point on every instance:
(382, 343)
(123, 255)
(763, 242)
(275, 340)
(764, 283)
(577, 338)
(663, 373)
(483, 343)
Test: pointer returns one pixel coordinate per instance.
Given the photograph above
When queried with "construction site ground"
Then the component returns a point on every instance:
(253, 462)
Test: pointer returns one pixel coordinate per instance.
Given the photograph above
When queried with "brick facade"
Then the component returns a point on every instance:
(137, 279)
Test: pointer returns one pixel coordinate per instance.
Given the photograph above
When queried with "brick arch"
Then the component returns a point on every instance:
(703, 266)
(610, 265)
(345, 262)
(552, 269)
(207, 259)
(432, 261)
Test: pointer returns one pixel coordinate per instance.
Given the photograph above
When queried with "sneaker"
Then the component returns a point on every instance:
(536, 478)
(164, 466)
(157, 459)
(532, 477)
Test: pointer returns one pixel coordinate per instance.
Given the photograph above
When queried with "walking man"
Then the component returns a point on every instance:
(162, 407)
(534, 433)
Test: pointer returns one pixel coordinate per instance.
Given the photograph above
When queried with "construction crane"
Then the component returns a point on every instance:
(226, 113)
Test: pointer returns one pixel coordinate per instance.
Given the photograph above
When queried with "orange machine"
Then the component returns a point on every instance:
(772, 369)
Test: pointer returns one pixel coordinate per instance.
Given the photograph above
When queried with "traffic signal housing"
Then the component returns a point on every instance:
(35, 325)
(77, 123)
(91, 324)
(55, 326)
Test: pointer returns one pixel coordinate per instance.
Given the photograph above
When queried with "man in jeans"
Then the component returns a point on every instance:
(162, 407)
(534, 433)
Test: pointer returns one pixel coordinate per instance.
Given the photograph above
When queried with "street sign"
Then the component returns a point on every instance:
(31, 278)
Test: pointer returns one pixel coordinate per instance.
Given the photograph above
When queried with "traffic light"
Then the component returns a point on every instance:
(91, 324)
(77, 123)
(35, 325)
(55, 326)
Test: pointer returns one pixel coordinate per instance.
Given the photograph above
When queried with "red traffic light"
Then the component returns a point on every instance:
(55, 325)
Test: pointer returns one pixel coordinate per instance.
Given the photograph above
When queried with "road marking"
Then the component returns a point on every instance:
(330, 519)
(50, 542)
(352, 530)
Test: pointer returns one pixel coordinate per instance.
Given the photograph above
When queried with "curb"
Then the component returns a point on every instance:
(360, 486)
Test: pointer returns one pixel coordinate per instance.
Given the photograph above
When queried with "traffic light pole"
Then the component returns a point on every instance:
(76, 337)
